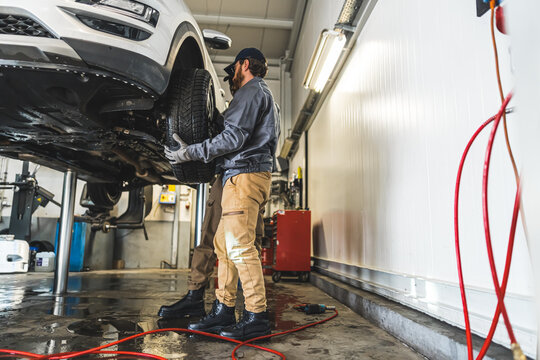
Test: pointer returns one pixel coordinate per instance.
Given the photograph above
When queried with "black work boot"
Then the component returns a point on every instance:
(220, 317)
(251, 326)
(192, 304)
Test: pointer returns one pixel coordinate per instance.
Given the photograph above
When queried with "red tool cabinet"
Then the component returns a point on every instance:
(292, 244)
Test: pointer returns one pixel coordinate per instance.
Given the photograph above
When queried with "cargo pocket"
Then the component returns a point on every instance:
(234, 212)
(235, 226)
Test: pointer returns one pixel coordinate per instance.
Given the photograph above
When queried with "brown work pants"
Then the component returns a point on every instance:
(243, 200)
(204, 258)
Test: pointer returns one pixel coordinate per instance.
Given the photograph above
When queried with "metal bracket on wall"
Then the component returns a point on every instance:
(482, 7)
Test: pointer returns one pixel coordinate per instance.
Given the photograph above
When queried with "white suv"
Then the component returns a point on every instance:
(100, 86)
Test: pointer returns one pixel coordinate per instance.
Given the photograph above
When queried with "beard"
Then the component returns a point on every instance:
(232, 88)
(236, 82)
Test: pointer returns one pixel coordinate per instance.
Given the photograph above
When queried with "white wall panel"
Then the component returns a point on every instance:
(384, 151)
(523, 24)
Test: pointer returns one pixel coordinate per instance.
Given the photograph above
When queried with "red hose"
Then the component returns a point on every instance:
(130, 353)
(97, 350)
(506, 274)
(281, 333)
(20, 353)
(456, 233)
(500, 294)
(487, 161)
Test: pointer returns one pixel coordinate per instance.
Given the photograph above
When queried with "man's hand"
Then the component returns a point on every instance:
(177, 154)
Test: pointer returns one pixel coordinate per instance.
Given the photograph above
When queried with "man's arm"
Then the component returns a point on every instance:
(239, 123)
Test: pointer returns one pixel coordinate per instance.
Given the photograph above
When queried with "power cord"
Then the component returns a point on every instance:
(501, 93)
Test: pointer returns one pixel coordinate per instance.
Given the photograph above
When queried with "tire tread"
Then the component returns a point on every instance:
(188, 118)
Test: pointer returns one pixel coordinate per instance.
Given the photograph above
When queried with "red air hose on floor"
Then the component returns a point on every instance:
(98, 350)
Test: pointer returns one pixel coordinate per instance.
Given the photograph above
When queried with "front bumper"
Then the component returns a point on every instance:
(74, 44)
(39, 55)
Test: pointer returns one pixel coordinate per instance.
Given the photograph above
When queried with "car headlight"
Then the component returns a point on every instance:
(130, 8)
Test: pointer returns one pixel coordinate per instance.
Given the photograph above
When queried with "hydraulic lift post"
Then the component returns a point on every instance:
(176, 229)
(61, 272)
(202, 195)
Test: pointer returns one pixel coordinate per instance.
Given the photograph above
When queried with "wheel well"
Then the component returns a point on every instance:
(189, 56)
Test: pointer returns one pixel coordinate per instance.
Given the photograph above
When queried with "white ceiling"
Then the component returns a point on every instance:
(264, 24)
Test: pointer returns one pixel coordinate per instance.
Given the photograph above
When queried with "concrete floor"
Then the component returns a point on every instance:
(105, 306)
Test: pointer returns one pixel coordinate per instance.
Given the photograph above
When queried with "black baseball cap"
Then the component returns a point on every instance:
(244, 54)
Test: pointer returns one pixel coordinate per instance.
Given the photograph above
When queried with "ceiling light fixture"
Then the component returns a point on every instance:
(324, 59)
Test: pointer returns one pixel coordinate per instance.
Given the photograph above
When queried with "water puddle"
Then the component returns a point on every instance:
(107, 328)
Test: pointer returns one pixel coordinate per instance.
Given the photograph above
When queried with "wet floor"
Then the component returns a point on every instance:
(105, 306)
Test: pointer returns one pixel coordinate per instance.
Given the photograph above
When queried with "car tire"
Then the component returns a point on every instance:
(104, 196)
(191, 112)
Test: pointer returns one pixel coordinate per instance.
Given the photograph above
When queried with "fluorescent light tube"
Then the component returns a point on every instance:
(324, 59)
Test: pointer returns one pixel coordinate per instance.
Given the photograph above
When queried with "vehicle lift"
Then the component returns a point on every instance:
(139, 206)
(28, 196)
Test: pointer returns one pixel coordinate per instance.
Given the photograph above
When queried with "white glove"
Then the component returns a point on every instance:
(177, 154)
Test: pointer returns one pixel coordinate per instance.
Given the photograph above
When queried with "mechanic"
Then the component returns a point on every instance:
(247, 146)
(204, 258)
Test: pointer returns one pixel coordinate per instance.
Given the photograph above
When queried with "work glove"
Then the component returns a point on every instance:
(177, 154)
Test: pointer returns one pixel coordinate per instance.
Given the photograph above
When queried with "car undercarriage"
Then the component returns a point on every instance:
(104, 127)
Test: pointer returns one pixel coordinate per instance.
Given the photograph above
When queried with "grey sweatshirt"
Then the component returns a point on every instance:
(248, 142)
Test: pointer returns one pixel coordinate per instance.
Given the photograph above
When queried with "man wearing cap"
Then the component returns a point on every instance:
(246, 146)
(204, 258)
